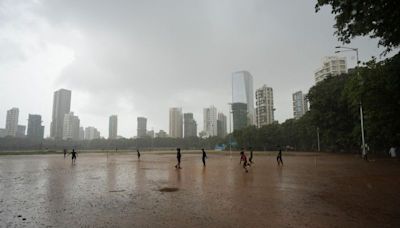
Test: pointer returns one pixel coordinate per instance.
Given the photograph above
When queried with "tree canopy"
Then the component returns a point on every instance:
(376, 19)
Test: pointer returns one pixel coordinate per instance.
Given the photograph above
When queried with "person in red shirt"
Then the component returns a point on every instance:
(244, 159)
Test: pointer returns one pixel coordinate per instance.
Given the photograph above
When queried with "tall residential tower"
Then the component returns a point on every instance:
(12, 122)
(175, 123)
(35, 128)
(190, 125)
(141, 127)
(331, 65)
(210, 121)
(265, 106)
(113, 127)
(300, 104)
(61, 106)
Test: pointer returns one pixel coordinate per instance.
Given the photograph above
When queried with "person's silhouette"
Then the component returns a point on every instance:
(244, 159)
(74, 155)
(251, 155)
(204, 157)
(279, 157)
(178, 157)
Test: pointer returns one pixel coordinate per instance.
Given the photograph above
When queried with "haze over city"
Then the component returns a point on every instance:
(140, 58)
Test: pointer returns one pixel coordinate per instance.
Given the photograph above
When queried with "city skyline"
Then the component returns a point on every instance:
(47, 51)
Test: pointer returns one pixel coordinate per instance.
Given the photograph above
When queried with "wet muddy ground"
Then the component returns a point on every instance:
(120, 191)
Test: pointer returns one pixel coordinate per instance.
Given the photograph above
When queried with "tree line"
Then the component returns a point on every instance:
(335, 114)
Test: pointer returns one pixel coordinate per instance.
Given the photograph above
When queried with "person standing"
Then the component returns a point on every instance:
(65, 153)
(279, 157)
(204, 157)
(365, 151)
(178, 157)
(251, 156)
(138, 154)
(74, 155)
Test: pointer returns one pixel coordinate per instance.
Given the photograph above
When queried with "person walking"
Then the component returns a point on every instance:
(178, 157)
(138, 154)
(204, 157)
(251, 156)
(74, 155)
(279, 157)
(244, 159)
(65, 153)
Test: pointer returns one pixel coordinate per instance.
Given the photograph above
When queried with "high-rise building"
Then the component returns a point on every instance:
(71, 127)
(210, 121)
(265, 106)
(61, 106)
(221, 125)
(300, 104)
(91, 133)
(175, 123)
(35, 128)
(3, 133)
(150, 133)
(239, 114)
(161, 134)
(141, 127)
(242, 92)
(331, 65)
(21, 131)
(12, 122)
(81, 133)
(113, 127)
(189, 125)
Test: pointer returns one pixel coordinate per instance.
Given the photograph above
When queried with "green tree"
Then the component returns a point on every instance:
(374, 18)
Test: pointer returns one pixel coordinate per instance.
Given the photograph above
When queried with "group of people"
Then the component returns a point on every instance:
(243, 158)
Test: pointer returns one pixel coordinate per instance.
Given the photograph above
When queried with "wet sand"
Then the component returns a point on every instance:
(120, 191)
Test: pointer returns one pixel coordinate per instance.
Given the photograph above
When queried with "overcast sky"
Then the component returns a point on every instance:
(138, 58)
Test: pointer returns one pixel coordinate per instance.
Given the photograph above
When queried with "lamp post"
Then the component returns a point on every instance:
(230, 130)
(344, 49)
(318, 139)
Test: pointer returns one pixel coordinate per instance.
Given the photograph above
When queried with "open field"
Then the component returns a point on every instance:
(114, 190)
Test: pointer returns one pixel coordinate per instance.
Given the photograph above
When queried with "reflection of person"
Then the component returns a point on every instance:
(279, 157)
(244, 159)
(178, 157)
(138, 154)
(74, 154)
(204, 157)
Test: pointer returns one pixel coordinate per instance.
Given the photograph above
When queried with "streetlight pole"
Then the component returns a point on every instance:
(319, 149)
(230, 130)
(361, 108)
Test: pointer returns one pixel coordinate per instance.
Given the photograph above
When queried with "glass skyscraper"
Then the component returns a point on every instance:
(243, 93)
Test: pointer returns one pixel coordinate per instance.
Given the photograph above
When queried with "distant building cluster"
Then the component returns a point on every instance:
(65, 125)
